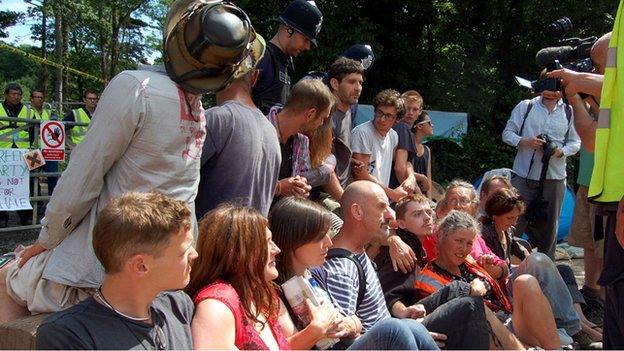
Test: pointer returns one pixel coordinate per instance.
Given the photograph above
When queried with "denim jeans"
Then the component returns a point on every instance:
(554, 288)
(395, 334)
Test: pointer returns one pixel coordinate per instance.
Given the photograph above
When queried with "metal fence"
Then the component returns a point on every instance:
(35, 199)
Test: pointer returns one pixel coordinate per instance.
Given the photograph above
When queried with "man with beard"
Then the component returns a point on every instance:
(308, 105)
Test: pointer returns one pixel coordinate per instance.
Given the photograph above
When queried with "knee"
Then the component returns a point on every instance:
(539, 259)
(526, 285)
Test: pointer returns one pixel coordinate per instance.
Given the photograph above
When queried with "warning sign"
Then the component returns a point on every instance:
(53, 141)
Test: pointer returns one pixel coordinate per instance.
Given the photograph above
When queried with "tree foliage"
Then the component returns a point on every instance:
(460, 55)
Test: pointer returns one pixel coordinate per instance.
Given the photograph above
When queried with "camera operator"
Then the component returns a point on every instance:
(606, 187)
(537, 125)
(583, 231)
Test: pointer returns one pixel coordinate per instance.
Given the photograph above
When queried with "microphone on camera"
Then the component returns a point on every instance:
(547, 56)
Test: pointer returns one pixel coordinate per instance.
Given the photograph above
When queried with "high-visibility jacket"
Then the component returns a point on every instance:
(78, 132)
(427, 282)
(607, 182)
(34, 114)
(14, 133)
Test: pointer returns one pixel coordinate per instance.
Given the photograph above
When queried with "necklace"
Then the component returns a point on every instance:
(102, 299)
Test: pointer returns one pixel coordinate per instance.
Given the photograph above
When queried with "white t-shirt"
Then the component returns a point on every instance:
(366, 140)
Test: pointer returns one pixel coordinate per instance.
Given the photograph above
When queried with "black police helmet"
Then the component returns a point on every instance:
(304, 17)
(362, 53)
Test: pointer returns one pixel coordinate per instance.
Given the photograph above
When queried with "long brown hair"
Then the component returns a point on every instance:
(232, 247)
(295, 222)
(321, 141)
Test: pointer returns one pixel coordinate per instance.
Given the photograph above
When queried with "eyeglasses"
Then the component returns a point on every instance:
(381, 114)
(418, 124)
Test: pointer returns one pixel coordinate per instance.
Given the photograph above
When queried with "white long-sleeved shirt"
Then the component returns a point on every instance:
(146, 135)
(555, 124)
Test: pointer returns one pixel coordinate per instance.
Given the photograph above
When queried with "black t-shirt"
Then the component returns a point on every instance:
(91, 325)
(287, 156)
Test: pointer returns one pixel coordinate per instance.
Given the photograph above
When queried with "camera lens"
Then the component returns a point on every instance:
(559, 28)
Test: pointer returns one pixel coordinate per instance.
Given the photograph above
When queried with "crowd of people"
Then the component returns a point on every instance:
(175, 227)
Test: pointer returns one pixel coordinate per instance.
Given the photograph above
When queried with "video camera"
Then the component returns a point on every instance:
(572, 53)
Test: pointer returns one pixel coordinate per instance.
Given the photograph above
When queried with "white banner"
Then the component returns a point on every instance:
(14, 180)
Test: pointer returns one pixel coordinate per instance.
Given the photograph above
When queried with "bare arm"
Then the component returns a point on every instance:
(213, 326)
(333, 187)
(400, 164)
(583, 122)
(362, 174)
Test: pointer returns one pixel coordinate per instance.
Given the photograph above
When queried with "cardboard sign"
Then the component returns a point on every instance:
(14, 180)
(53, 140)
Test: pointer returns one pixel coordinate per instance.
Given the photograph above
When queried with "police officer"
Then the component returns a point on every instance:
(14, 135)
(83, 114)
(300, 24)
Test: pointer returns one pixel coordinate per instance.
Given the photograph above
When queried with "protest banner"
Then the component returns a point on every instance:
(14, 180)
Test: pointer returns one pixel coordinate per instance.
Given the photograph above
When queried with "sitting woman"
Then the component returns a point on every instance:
(531, 315)
(231, 283)
(502, 210)
(299, 227)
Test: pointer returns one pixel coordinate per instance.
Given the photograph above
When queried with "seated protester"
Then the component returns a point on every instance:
(231, 283)
(374, 144)
(300, 228)
(461, 196)
(415, 220)
(530, 313)
(144, 242)
(405, 151)
(307, 107)
(355, 289)
(489, 187)
(502, 209)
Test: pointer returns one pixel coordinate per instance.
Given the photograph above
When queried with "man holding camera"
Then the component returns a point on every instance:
(538, 126)
(606, 189)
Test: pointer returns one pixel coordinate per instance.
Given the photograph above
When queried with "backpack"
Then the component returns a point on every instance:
(321, 275)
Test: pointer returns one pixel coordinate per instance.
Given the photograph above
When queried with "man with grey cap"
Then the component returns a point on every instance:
(146, 136)
(300, 24)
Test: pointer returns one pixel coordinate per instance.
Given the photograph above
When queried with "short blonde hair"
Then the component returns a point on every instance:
(412, 96)
(310, 93)
(137, 223)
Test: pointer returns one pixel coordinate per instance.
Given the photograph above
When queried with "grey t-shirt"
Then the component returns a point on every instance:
(240, 159)
(91, 325)
(341, 126)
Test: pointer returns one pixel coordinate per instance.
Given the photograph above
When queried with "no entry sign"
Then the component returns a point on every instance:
(53, 140)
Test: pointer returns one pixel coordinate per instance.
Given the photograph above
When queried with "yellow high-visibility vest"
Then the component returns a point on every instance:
(78, 132)
(607, 182)
(17, 134)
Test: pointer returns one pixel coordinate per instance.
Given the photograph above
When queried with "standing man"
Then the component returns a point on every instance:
(147, 136)
(345, 80)
(14, 135)
(36, 110)
(374, 144)
(531, 122)
(308, 106)
(83, 114)
(240, 161)
(300, 24)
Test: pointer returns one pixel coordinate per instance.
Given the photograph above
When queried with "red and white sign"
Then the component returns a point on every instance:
(53, 141)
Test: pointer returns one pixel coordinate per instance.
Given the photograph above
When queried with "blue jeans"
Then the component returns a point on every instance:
(395, 334)
(554, 288)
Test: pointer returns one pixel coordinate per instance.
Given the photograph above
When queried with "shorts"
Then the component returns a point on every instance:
(583, 224)
(27, 287)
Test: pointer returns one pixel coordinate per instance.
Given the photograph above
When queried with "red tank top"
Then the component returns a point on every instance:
(247, 337)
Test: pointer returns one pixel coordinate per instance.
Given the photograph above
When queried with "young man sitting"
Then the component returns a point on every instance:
(144, 242)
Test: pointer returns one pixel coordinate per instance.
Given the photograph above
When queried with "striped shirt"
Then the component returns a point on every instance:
(343, 285)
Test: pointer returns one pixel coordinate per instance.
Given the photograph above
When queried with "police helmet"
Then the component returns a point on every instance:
(304, 17)
(362, 53)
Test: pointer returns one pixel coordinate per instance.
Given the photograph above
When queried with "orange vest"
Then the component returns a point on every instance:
(427, 282)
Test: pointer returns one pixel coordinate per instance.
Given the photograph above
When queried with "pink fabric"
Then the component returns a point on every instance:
(247, 337)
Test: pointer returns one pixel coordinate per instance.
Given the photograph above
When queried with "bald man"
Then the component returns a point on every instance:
(367, 216)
